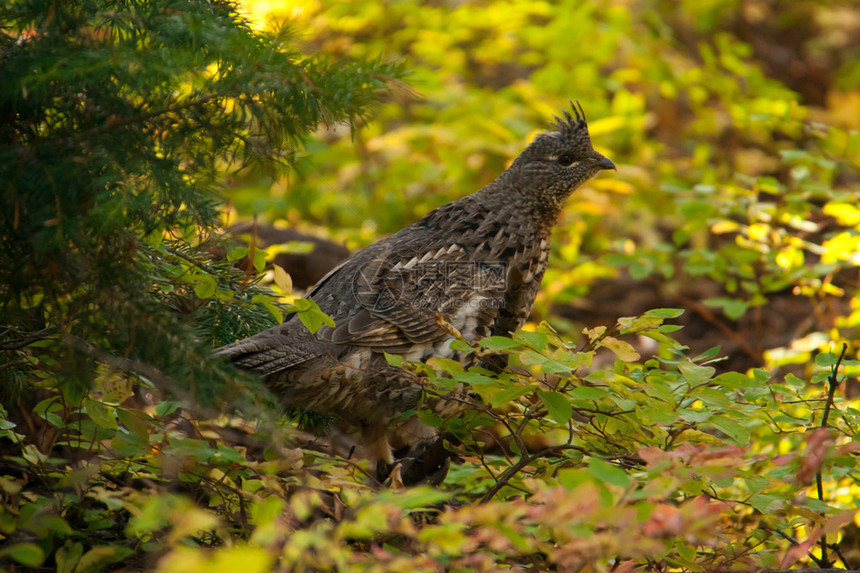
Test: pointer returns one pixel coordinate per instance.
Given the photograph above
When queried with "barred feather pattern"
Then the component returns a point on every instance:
(476, 263)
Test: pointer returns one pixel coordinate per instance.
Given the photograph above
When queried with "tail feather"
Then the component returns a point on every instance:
(273, 350)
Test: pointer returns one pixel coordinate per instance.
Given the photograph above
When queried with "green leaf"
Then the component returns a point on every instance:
(816, 505)
(259, 259)
(761, 376)
(27, 554)
(695, 416)
(267, 510)
(608, 473)
(665, 312)
(733, 380)
(713, 397)
(697, 209)
(311, 316)
(696, 375)
(393, 359)
(51, 404)
(572, 478)
(136, 421)
(447, 365)
(509, 395)
(102, 555)
(557, 405)
(414, 497)
(461, 346)
(475, 379)
(537, 340)
(499, 343)
(166, 407)
(756, 483)
(733, 430)
(554, 367)
(766, 503)
(225, 295)
(104, 416)
(228, 455)
(641, 268)
(708, 354)
(588, 393)
(268, 303)
(826, 359)
(448, 537)
(628, 324)
(204, 286)
(521, 543)
(686, 551)
(237, 253)
(68, 555)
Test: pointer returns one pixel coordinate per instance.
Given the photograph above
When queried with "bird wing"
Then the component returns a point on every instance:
(388, 296)
(395, 301)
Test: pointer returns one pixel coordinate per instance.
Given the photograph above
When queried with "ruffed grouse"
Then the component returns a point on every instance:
(476, 262)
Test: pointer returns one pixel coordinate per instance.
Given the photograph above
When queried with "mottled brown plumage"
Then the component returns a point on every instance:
(476, 262)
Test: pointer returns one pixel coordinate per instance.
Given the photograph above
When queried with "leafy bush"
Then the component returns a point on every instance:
(656, 461)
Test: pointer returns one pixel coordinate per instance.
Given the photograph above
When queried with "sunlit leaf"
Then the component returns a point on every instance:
(283, 279)
(204, 286)
(311, 315)
(623, 350)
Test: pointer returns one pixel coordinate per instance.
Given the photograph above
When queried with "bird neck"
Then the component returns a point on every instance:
(537, 208)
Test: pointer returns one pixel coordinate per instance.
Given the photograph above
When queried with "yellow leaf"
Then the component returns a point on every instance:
(447, 538)
(844, 247)
(246, 559)
(594, 333)
(283, 280)
(613, 186)
(758, 231)
(721, 227)
(607, 125)
(846, 213)
(790, 258)
(698, 437)
(622, 350)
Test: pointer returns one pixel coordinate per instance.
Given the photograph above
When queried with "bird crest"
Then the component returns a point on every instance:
(571, 125)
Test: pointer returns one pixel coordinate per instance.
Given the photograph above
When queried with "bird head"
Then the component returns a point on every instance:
(558, 162)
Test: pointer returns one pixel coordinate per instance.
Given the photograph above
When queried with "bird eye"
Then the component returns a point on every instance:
(564, 159)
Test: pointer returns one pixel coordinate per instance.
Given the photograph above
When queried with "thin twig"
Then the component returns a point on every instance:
(28, 339)
(523, 462)
(833, 382)
(252, 251)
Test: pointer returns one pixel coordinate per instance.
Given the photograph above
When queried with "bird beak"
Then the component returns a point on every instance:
(604, 162)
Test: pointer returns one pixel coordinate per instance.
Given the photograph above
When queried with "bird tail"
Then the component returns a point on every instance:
(273, 350)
